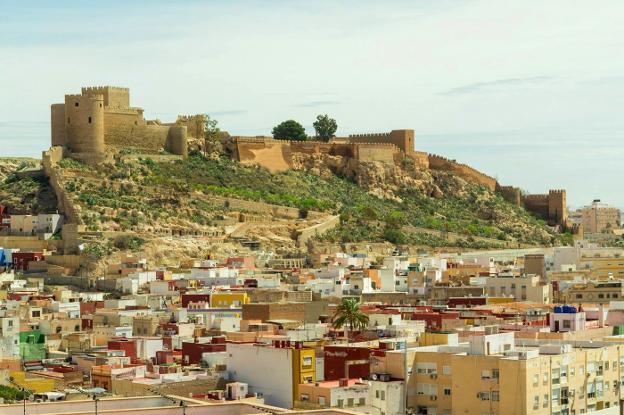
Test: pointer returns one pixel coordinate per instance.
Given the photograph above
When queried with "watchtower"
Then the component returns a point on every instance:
(84, 126)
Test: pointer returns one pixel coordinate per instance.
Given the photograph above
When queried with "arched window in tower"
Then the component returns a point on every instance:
(89, 120)
(77, 104)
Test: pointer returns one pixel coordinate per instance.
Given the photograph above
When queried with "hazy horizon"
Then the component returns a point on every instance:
(530, 95)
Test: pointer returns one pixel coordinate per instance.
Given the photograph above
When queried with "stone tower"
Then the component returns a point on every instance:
(557, 206)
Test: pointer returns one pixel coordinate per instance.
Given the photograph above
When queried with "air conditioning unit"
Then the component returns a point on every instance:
(384, 377)
(433, 376)
(434, 397)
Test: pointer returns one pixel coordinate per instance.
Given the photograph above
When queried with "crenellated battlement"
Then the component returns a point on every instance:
(97, 97)
(101, 89)
(369, 135)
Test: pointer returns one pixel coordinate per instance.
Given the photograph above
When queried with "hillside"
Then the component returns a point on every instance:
(375, 202)
(24, 195)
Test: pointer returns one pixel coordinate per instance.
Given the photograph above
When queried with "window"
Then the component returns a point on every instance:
(10, 323)
(535, 401)
(536, 379)
(362, 402)
(321, 400)
(76, 104)
(382, 395)
(67, 120)
(307, 361)
(495, 396)
(446, 370)
(447, 391)
(484, 396)
(89, 120)
(545, 400)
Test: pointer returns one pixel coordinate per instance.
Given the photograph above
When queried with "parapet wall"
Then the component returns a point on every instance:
(50, 159)
(466, 172)
(511, 194)
(276, 155)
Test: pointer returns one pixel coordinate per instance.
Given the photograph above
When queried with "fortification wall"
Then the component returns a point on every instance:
(466, 172)
(403, 139)
(50, 159)
(259, 207)
(114, 96)
(537, 204)
(382, 152)
(304, 235)
(57, 124)
(511, 194)
(195, 124)
(274, 155)
(420, 158)
(149, 138)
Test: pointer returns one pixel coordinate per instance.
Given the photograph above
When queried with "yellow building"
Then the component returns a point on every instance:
(304, 369)
(492, 375)
(605, 267)
(227, 299)
(599, 292)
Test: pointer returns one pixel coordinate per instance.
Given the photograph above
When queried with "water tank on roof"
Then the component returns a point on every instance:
(572, 309)
(558, 309)
(566, 309)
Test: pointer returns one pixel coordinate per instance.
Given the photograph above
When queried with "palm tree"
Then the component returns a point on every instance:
(348, 313)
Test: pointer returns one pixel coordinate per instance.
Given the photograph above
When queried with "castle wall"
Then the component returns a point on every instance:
(462, 170)
(376, 152)
(420, 158)
(49, 160)
(274, 155)
(304, 235)
(195, 124)
(114, 97)
(57, 123)
(403, 139)
(511, 194)
(537, 204)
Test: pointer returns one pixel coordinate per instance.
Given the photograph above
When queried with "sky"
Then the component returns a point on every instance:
(528, 91)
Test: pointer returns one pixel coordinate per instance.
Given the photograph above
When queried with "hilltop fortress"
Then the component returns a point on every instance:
(392, 147)
(99, 123)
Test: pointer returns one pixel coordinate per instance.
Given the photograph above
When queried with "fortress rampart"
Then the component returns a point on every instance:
(99, 122)
(466, 172)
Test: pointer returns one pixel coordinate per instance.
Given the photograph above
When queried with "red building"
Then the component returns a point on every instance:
(433, 319)
(192, 352)
(195, 297)
(346, 362)
(129, 347)
(22, 259)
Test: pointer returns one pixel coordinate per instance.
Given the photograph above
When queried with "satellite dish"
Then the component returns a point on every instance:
(374, 376)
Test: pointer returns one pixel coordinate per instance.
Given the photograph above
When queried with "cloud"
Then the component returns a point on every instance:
(497, 84)
(312, 104)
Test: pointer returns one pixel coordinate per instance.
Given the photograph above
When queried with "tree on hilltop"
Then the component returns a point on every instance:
(289, 130)
(211, 135)
(325, 127)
